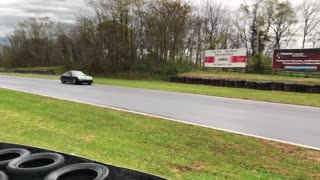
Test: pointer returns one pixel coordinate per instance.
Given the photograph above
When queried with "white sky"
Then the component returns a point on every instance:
(13, 11)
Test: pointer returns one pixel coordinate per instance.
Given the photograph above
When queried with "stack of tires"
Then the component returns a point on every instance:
(28, 163)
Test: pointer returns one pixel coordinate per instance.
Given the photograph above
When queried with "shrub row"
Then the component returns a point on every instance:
(260, 85)
(47, 72)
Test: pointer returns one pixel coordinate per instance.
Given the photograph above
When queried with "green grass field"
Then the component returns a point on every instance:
(169, 149)
(259, 95)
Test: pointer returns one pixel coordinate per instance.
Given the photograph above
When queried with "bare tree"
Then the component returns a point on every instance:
(280, 18)
(241, 22)
(196, 37)
(314, 38)
(166, 28)
(310, 10)
(251, 25)
(216, 21)
(32, 43)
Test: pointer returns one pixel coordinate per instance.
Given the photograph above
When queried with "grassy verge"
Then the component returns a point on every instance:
(57, 69)
(52, 77)
(253, 77)
(170, 149)
(269, 96)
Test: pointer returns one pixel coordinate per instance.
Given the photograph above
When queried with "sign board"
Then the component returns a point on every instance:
(226, 58)
(296, 59)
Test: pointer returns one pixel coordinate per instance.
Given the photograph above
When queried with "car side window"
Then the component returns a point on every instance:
(67, 73)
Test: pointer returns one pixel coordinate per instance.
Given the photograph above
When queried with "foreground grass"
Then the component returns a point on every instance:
(170, 149)
(252, 77)
(259, 95)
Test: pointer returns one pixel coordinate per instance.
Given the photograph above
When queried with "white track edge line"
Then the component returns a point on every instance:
(171, 119)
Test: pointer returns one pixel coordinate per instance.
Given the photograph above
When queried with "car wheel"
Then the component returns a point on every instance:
(89, 83)
(81, 171)
(74, 81)
(62, 80)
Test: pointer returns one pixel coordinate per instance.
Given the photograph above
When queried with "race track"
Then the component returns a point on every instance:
(290, 123)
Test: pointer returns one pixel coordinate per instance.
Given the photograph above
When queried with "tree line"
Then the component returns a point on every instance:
(159, 35)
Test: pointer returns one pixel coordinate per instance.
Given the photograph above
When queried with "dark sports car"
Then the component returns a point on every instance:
(76, 77)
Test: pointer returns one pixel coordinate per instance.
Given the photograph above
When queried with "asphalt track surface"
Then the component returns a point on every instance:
(286, 123)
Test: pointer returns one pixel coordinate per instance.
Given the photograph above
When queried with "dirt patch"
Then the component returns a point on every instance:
(8, 114)
(89, 138)
(194, 167)
(221, 148)
(295, 150)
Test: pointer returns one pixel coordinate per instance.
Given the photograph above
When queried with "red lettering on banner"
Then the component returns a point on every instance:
(209, 59)
(239, 59)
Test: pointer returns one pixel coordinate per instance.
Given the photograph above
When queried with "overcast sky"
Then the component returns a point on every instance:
(13, 11)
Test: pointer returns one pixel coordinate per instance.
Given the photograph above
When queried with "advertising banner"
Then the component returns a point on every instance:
(296, 58)
(226, 58)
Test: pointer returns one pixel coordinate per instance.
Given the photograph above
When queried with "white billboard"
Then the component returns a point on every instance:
(225, 58)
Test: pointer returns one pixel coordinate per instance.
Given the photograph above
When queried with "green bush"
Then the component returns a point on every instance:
(259, 63)
(162, 70)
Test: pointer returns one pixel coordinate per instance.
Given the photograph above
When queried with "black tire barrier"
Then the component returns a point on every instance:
(215, 82)
(270, 86)
(3, 176)
(28, 167)
(81, 171)
(264, 85)
(302, 88)
(183, 80)
(191, 80)
(8, 155)
(251, 85)
(290, 87)
(229, 83)
(207, 82)
(275, 86)
(35, 165)
(316, 89)
(187, 80)
(240, 84)
(221, 82)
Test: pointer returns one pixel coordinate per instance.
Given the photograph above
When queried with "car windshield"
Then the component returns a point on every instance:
(77, 73)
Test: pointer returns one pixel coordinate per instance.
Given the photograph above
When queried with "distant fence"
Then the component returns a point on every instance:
(46, 72)
(260, 85)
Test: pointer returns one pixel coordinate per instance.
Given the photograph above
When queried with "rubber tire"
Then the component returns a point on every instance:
(62, 80)
(3, 176)
(22, 152)
(102, 171)
(75, 81)
(13, 166)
